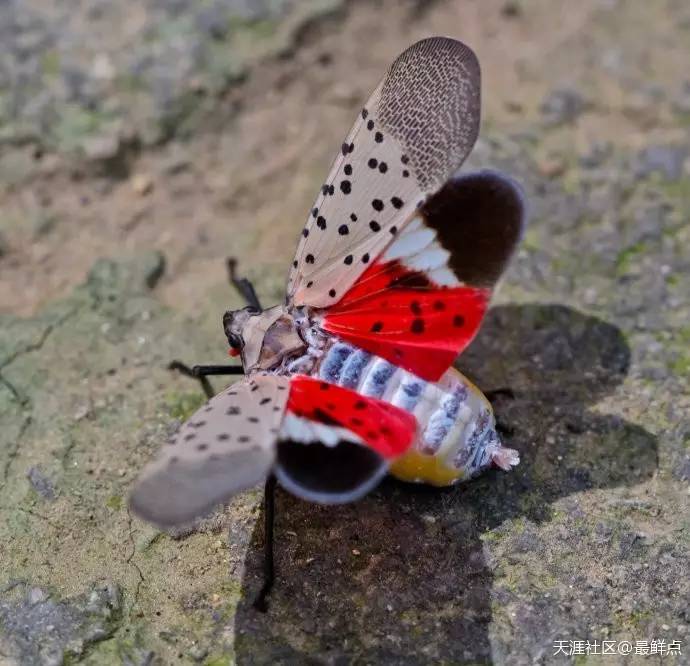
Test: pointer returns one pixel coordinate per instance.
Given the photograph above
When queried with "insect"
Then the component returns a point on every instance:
(351, 377)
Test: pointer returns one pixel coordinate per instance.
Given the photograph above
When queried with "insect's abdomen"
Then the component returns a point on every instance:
(456, 434)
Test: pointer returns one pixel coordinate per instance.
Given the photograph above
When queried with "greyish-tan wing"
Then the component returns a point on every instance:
(414, 132)
(227, 446)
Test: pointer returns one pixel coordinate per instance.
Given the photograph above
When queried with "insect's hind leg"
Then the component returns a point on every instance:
(202, 372)
(261, 603)
(244, 286)
(495, 396)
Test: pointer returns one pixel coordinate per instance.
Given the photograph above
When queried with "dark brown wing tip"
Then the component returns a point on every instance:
(430, 102)
(441, 44)
(479, 218)
(328, 474)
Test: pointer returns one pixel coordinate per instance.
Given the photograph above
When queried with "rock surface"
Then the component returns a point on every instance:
(588, 539)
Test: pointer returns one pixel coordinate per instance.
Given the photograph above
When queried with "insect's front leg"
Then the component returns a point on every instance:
(201, 372)
(243, 285)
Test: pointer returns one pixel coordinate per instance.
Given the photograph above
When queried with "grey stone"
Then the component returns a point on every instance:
(666, 160)
(41, 484)
(43, 630)
(562, 105)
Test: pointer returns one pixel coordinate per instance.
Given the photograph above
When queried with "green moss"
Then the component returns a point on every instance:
(258, 29)
(114, 502)
(50, 63)
(681, 364)
(182, 405)
(626, 257)
(76, 124)
(216, 660)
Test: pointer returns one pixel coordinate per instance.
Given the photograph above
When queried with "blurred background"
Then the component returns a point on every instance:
(143, 142)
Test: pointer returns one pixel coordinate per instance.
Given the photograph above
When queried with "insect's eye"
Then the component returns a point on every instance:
(234, 341)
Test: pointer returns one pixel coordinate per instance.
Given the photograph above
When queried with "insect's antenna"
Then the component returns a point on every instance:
(244, 286)
(260, 603)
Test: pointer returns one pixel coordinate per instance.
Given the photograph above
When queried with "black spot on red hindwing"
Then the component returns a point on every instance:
(324, 417)
(416, 308)
(458, 321)
(410, 281)
(417, 326)
(376, 327)
(360, 404)
(439, 306)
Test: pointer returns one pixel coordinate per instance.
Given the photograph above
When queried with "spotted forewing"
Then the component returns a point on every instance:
(413, 133)
(227, 446)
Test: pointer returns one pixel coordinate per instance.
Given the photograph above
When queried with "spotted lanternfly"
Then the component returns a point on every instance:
(352, 378)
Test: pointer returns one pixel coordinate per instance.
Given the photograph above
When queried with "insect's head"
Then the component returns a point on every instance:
(234, 325)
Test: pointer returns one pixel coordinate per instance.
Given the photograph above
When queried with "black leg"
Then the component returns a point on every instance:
(244, 286)
(200, 372)
(503, 392)
(261, 603)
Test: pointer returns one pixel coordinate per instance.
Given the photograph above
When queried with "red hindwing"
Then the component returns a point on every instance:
(405, 318)
(386, 429)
